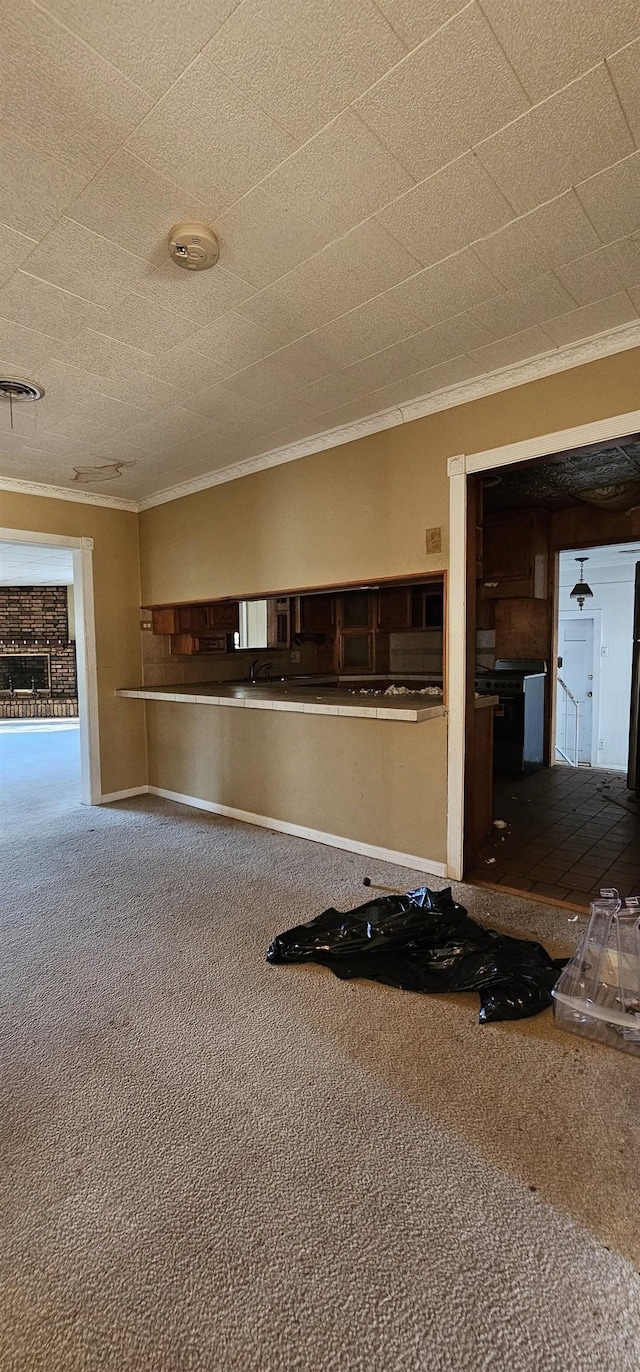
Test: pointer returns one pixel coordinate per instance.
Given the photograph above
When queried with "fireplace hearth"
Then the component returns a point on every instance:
(26, 672)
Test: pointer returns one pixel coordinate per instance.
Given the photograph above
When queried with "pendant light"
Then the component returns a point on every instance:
(581, 589)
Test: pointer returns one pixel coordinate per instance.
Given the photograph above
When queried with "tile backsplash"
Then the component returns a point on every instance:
(160, 668)
(486, 648)
(416, 652)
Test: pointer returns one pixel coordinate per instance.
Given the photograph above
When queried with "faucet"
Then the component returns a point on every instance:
(256, 667)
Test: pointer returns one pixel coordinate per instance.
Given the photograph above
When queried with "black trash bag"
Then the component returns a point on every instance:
(424, 941)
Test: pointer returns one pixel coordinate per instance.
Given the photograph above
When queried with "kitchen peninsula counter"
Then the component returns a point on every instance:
(308, 699)
(311, 758)
(291, 695)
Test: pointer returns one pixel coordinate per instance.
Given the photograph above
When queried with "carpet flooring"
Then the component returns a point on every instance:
(214, 1164)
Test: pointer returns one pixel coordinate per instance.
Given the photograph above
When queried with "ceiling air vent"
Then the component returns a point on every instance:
(11, 389)
(15, 391)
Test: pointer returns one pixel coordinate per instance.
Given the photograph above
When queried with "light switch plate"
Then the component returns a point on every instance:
(434, 540)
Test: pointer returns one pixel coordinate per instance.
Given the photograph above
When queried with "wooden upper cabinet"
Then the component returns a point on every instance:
(193, 621)
(315, 614)
(355, 610)
(279, 622)
(215, 641)
(515, 554)
(165, 620)
(394, 608)
(223, 614)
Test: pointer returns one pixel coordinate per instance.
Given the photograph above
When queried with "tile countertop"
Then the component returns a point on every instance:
(287, 695)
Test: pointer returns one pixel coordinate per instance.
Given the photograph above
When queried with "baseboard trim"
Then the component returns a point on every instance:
(282, 826)
(123, 795)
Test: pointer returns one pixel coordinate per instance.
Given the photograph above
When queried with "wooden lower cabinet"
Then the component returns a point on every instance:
(479, 783)
(355, 652)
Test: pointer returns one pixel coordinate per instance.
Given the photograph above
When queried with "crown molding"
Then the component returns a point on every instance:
(490, 383)
(112, 502)
(276, 457)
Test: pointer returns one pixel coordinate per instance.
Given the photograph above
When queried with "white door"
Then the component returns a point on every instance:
(575, 648)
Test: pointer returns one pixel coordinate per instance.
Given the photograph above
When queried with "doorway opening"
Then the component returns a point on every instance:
(595, 656)
(563, 814)
(48, 685)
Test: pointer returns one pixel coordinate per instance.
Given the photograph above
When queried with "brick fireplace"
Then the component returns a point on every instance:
(37, 656)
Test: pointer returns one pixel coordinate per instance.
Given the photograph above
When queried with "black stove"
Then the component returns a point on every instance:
(509, 676)
(518, 734)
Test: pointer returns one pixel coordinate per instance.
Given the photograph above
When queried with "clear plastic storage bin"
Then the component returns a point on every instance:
(598, 993)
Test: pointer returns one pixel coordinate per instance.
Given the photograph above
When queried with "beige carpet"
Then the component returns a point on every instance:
(211, 1163)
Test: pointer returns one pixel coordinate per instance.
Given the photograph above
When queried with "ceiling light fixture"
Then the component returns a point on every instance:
(194, 246)
(16, 391)
(581, 589)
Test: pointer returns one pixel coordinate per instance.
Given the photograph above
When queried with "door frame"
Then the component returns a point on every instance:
(86, 659)
(460, 468)
(596, 616)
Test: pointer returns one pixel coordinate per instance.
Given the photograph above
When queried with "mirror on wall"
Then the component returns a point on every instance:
(252, 632)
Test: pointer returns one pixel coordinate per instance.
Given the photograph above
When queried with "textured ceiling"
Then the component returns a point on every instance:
(601, 474)
(30, 564)
(408, 194)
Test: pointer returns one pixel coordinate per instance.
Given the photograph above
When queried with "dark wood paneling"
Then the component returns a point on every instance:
(586, 526)
(523, 628)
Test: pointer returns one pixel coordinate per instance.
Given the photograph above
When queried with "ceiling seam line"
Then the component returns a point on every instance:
(59, 23)
(619, 99)
(391, 25)
(505, 54)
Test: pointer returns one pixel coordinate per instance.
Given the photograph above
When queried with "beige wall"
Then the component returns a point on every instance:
(353, 513)
(361, 510)
(116, 595)
(367, 780)
(357, 512)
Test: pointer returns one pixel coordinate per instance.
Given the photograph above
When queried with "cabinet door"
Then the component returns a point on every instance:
(317, 615)
(355, 610)
(165, 620)
(355, 652)
(184, 645)
(187, 645)
(507, 547)
(515, 554)
(223, 614)
(217, 642)
(192, 619)
(394, 608)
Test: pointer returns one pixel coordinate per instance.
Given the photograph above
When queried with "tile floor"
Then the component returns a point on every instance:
(569, 833)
